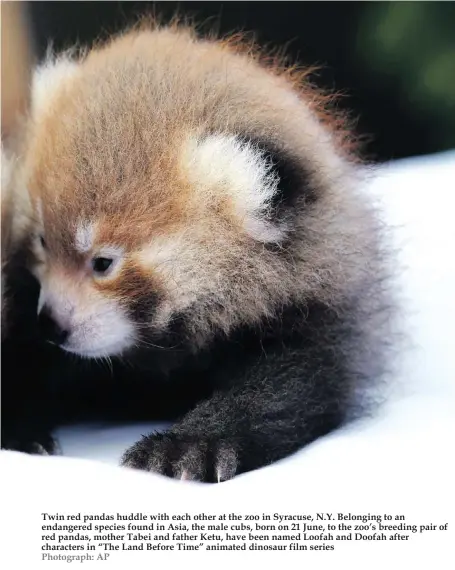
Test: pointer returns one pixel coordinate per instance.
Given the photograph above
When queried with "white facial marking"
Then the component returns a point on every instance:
(106, 332)
(110, 251)
(224, 165)
(175, 258)
(98, 326)
(84, 237)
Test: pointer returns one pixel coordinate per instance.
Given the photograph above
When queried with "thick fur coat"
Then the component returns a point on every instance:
(197, 213)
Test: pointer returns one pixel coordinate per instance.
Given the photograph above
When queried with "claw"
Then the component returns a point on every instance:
(226, 464)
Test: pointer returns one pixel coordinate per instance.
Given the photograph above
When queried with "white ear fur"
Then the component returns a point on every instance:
(225, 165)
(49, 77)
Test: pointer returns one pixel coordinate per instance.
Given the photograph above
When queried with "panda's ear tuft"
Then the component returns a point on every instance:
(261, 181)
(49, 77)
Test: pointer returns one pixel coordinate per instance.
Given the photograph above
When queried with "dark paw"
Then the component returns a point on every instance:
(184, 457)
(38, 444)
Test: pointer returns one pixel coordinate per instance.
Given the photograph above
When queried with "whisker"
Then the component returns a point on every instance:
(108, 361)
(145, 342)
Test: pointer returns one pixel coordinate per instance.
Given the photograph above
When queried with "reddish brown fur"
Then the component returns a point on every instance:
(108, 148)
(195, 194)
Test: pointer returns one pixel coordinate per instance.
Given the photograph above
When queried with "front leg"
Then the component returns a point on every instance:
(271, 413)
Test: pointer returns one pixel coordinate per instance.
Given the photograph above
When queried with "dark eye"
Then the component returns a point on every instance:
(43, 242)
(101, 264)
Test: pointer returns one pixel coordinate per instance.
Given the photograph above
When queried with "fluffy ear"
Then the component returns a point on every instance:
(49, 77)
(260, 180)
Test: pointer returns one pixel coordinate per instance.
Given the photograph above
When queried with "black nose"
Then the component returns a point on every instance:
(50, 329)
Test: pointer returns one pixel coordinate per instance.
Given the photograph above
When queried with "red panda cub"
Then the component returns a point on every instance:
(196, 210)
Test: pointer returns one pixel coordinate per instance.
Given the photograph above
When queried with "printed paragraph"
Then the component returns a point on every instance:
(85, 537)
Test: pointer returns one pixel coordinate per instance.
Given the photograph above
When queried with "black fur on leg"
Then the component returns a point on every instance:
(278, 388)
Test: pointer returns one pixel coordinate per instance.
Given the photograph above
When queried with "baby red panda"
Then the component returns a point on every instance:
(199, 214)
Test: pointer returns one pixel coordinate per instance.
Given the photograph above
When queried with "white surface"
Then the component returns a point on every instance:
(400, 461)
